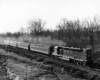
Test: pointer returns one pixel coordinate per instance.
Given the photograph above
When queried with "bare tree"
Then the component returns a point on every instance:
(36, 27)
(93, 30)
(69, 31)
(22, 30)
(61, 27)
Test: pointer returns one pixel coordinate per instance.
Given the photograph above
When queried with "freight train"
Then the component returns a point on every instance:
(80, 56)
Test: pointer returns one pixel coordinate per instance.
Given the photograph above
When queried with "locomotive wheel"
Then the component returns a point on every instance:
(84, 63)
(80, 62)
(77, 62)
(74, 61)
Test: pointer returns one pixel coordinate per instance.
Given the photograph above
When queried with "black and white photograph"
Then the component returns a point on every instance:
(49, 40)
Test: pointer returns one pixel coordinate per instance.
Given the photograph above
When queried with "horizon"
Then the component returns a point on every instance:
(15, 14)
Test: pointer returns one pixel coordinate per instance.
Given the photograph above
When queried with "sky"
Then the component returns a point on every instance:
(15, 14)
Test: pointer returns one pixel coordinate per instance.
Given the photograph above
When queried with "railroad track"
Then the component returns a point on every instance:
(57, 62)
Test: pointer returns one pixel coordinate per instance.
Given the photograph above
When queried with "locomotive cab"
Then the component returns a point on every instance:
(57, 51)
(51, 50)
(54, 51)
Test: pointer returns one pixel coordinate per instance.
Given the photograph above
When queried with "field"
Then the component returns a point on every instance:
(21, 68)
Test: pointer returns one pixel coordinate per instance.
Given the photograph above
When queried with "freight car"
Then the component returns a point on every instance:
(75, 55)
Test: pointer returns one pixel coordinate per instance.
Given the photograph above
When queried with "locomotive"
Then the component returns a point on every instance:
(80, 56)
(75, 55)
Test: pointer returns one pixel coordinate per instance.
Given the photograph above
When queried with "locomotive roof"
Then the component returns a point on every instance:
(74, 49)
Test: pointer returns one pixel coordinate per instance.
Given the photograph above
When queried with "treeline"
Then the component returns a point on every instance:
(74, 33)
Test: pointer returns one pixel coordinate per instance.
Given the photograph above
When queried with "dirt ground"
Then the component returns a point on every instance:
(36, 71)
(14, 67)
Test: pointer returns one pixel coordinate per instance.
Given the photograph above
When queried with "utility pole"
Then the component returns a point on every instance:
(31, 66)
(92, 40)
(26, 72)
(6, 67)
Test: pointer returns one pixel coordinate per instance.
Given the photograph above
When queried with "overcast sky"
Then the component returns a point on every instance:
(16, 13)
